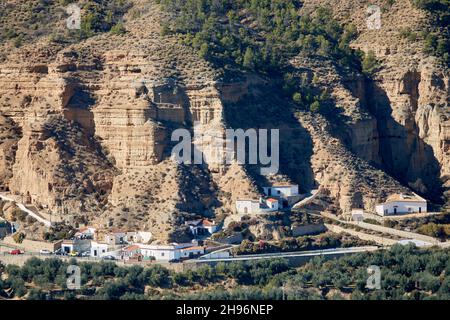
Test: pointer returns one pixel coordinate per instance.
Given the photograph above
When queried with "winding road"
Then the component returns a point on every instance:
(22, 207)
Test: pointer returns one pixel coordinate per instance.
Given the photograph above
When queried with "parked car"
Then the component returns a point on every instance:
(74, 254)
(108, 258)
(86, 254)
(45, 252)
(175, 261)
(15, 252)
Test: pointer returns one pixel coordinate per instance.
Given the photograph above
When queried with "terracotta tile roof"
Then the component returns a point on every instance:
(207, 222)
(84, 229)
(131, 248)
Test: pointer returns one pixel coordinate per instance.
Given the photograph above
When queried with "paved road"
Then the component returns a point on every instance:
(314, 194)
(310, 253)
(22, 207)
(408, 235)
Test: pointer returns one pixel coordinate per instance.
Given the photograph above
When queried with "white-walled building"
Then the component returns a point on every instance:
(271, 204)
(170, 252)
(402, 204)
(192, 252)
(75, 245)
(202, 226)
(116, 237)
(86, 233)
(99, 249)
(144, 236)
(245, 206)
(358, 215)
(137, 237)
(282, 191)
(130, 252)
(68, 246)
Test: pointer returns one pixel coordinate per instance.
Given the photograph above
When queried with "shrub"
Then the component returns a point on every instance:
(118, 29)
(18, 237)
(315, 106)
(369, 63)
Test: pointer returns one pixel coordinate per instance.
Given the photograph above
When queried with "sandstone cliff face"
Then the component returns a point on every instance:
(407, 101)
(9, 136)
(96, 120)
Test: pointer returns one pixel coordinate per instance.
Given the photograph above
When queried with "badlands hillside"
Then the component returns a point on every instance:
(87, 115)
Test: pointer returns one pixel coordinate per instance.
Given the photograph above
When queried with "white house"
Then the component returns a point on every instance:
(271, 204)
(170, 252)
(281, 190)
(402, 204)
(202, 226)
(247, 206)
(143, 236)
(162, 252)
(68, 246)
(76, 245)
(192, 252)
(253, 206)
(116, 237)
(210, 226)
(86, 233)
(131, 252)
(99, 249)
(137, 237)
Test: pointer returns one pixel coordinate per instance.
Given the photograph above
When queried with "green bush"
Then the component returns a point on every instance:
(369, 63)
(315, 106)
(18, 237)
(118, 29)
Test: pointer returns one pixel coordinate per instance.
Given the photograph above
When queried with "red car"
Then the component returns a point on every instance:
(15, 252)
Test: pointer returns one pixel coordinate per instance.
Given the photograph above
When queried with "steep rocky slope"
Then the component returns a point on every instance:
(407, 100)
(86, 124)
(9, 136)
(97, 118)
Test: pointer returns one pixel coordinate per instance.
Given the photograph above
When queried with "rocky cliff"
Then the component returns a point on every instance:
(86, 128)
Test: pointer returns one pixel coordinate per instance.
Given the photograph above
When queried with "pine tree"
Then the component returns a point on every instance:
(249, 58)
